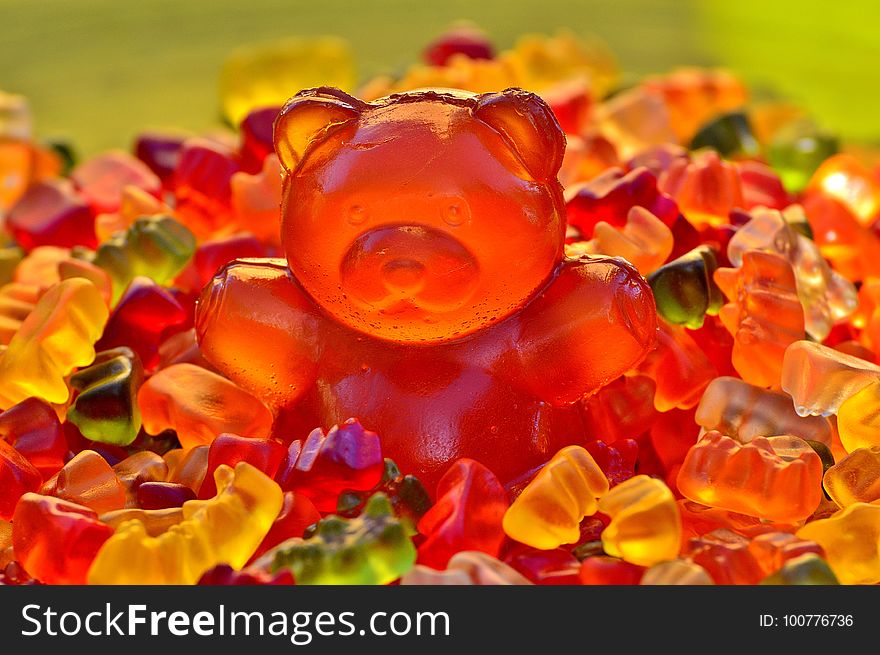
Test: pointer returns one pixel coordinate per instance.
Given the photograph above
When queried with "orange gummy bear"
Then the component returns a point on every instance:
(779, 479)
(425, 289)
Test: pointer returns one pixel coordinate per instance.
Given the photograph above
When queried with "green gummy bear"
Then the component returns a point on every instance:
(408, 496)
(10, 256)
(806, 569)
(729, 134)
(106, 408)
(372, 549)
(156, 247)
(797, 151)
(684, 289)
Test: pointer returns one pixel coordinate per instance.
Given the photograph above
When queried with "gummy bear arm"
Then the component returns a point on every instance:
(256, 325)
(594, 321)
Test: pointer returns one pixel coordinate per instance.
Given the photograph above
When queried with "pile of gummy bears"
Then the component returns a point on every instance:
(592, 333)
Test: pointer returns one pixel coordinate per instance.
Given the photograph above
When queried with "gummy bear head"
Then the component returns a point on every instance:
(422, 216)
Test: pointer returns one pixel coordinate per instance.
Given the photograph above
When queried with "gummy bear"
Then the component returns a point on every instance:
(764, 314)
(676, 572)
(855, 478)
(397, 300)
(820, 379)
(225, 529)
(157, 248)
(645, 523)
(347, 458)
(779, 478)
(744, 411)
(807, 569)
(468, 567)
(684, 288)
(56, 540)
(198, 405)
(55, 338)
(88, 480)
(370, 549)
(826, 296)
(851, 541)
(105, 409)
(468, 515)
(17, 477)
(33, 429)
(549, 510)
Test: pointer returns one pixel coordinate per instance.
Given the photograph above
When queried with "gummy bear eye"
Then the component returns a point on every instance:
(356, 214)
(456, 212)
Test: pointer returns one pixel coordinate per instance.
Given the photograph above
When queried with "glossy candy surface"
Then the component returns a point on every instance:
(405, 272)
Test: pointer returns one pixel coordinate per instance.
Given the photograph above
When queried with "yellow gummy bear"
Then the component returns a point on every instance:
(549, 510)
(858, 419)
(225, 529)
(851, 541)
(645, 524)
(265, 76)
(56, 337)
(855, 478)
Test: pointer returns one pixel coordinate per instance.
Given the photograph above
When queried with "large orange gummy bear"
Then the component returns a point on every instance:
(425, 289)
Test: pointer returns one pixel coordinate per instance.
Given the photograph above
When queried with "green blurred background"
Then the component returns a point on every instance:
(98, 71)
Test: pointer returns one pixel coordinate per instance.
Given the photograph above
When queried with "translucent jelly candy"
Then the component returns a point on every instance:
(263, 454)
(347, 457)
(55, 338)
(261, 76)
(676, 572)
(51, 213)
(297, 515)
(467, 516)
(408, 496)
(778, 478)
(255, 200)
(468, 567)
(694, 95)
(603, 570)
(157, 248)
(198, 405)
(807, 569)
(549, 510)
(202, 186)
(797, 150)
(371, 549)
(763, 314)
(101, 180)
(645, 524)
(17, 300)
(679, 368)
(820, 379)
(744, 411)
(56, 540)
(857, 418)
(729, 134)
(33, 429)
(105, 408)
(17, 477)
(225, 529)
(634, 120)
(88, 480)
(855, 478)
(412, 274)
(844, 178)
(644, 241)
(684, 289)
(827, 297)
(851, 541)
(612, 195)
(138, 469)
(706, 188)
(144, 314)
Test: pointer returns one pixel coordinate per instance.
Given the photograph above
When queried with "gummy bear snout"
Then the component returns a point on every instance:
(421, 266)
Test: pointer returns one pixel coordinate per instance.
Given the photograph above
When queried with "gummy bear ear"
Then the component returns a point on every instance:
(308, 118)
(529, 127)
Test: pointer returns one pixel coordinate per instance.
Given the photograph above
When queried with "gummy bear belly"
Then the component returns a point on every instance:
(427, 421)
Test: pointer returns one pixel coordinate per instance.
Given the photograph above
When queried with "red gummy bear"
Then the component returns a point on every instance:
(425, 289)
